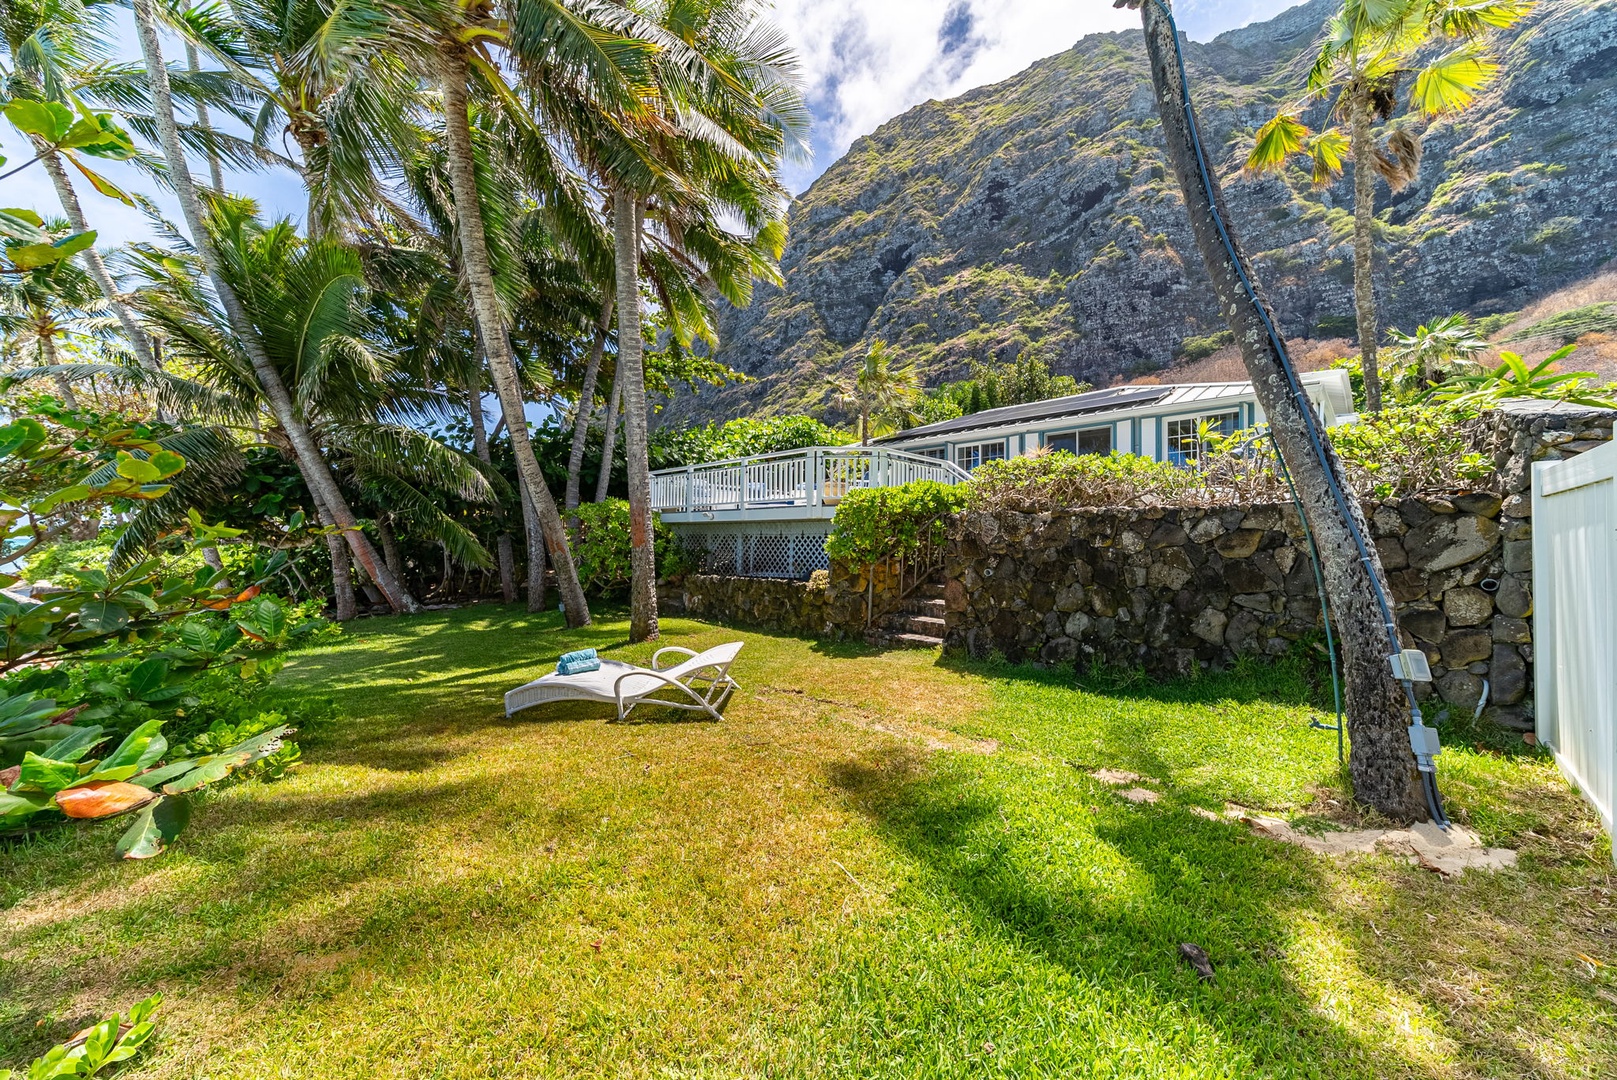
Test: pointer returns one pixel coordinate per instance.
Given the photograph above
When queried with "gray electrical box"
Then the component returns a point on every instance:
(1410, 664)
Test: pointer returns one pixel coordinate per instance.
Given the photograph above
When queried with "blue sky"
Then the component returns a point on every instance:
(863, 63)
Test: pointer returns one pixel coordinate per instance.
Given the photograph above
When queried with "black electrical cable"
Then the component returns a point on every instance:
(1389, 621)
(1324, 604)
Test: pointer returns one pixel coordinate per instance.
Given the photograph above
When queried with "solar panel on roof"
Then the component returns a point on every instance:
(1073, 405)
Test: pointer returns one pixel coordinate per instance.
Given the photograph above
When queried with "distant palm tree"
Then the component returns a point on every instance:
(1436, 351)
(879, 393)
(1369, 48)
(46, 306)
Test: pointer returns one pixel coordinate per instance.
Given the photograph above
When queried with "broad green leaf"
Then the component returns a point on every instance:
(16, 809)
(1275, 142)
(166, 773)
(12, 437)
(140, 748)
(148, 677)
(103, 617)
(153, 829)
(99, 182)
(71, 493)
(212, 768)
(1449, 83)
(33, 256)
(72, 245)
(98, 136)
(137, 469)
(18, 214)
(76, 744)
(46, 119)
(166, 462)
(44, 776)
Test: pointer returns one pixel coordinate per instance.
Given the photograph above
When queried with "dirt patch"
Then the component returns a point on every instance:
(1448, 852)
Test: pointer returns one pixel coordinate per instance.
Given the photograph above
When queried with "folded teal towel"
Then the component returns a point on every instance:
(577, 667)
(574, 657)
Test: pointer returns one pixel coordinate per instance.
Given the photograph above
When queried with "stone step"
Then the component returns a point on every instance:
(929, 591)
(924, 607)
(915, 641)
(924, 624)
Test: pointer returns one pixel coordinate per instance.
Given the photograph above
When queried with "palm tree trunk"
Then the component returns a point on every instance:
(1382, 765)
(490, 323)
(586, 402)
(93, 262)
(215, 174)
(316, 472)
(536, 554)
(47, 357)
(390, 546)
(1364, 223)
(642, 557)
(609, 440)
(508, 571)
(344, 606)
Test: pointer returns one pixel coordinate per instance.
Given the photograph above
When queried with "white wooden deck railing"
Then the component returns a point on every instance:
(816, 476)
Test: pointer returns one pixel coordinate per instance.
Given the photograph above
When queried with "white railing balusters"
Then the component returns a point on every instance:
(815, 476)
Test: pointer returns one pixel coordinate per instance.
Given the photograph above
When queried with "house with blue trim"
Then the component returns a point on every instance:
(1159, 422)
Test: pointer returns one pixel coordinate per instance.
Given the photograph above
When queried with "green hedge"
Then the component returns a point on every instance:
(873, 524)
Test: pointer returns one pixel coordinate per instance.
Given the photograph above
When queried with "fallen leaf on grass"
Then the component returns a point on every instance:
(1197, 956)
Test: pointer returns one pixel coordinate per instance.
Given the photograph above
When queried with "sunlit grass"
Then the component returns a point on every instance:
(880, 864)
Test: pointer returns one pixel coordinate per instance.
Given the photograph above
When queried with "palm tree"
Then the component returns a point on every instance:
(309, 303)
(50, 304)
(879, 393)
(1384, 770)
(1370, 47)
(1436, 351)
(316, 471)
(728, 110)
(571, 66)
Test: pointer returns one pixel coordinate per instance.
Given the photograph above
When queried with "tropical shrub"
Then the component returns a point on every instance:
(110, 1043)
(53, 780)
(1399, 451)
(601, 548)
(1514, 379)
(874, 524)
(1043, 481)
(741, 437)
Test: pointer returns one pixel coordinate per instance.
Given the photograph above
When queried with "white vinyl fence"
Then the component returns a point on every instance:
(1575, 620)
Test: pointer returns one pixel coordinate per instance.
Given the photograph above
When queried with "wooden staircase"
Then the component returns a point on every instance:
(918, 624)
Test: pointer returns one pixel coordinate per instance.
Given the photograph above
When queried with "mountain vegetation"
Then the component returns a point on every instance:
(1036, 216)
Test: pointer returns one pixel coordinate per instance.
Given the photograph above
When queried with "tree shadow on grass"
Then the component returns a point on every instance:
(1107, 891)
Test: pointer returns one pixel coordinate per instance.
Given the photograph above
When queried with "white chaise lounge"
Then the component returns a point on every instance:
(699, 683)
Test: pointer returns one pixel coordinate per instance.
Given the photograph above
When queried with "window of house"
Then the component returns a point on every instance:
(937, 452)
(969, 457)
(1089, 441)
(1184, 436)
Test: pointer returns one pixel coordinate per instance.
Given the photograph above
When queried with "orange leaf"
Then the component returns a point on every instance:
(102, 798)
(248, 593)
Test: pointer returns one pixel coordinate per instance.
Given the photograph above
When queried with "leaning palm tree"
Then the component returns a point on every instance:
(879, 393)
(1384, 771)
(308, 301)
(1369, 48)
(316, 470)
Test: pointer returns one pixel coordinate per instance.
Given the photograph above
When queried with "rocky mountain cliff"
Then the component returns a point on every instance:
(1038, 214)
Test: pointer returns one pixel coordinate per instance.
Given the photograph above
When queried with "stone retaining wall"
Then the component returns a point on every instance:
(1179, 590)
(829, 604)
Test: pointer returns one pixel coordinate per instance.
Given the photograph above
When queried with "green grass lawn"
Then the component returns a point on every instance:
(879, 864)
